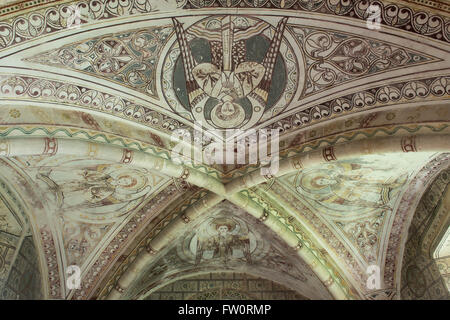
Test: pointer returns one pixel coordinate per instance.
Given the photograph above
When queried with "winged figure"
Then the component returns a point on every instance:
(228, 78)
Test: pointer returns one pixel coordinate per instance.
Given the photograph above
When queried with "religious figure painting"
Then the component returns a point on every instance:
(223, 239)
(362, 186)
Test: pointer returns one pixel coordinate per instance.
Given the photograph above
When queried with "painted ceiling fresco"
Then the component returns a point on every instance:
(20, 275)
(355, 199)
(228, 239)
(96, 97)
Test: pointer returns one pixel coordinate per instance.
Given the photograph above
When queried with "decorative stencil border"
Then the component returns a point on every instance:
(393, 15)
(44, 21)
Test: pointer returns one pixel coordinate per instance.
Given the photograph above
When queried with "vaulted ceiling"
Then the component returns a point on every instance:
(96, 97)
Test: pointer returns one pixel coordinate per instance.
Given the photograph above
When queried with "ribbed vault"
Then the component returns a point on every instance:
(96, 98)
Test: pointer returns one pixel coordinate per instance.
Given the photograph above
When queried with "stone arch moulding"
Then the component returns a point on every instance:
(29, 247)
